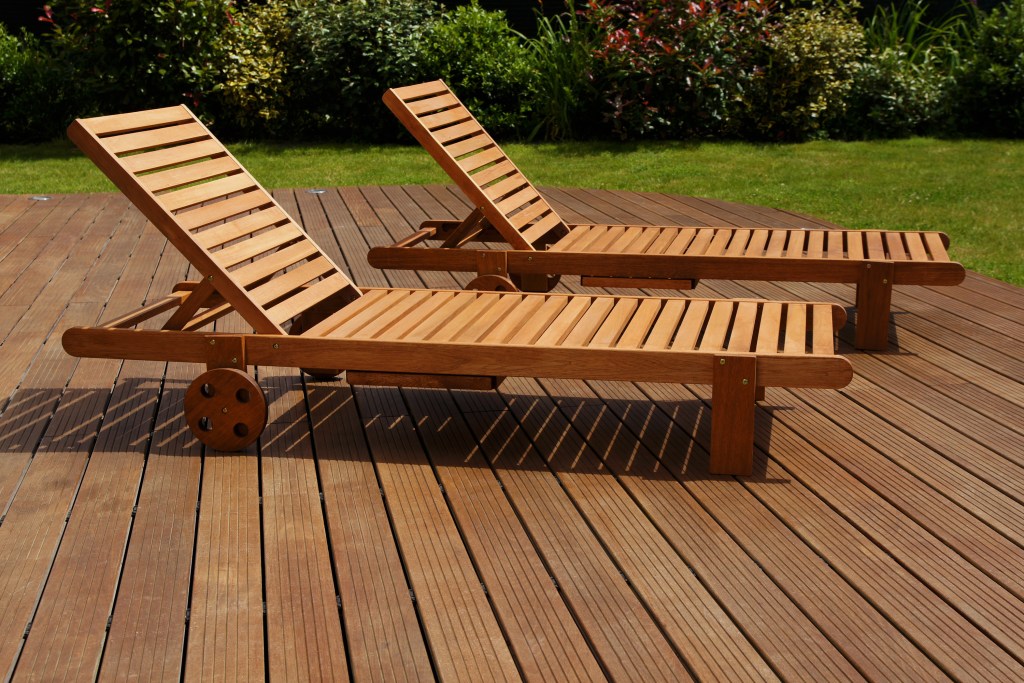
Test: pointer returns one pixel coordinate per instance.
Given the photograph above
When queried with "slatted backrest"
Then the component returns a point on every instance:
(457, 141)
(209, 207)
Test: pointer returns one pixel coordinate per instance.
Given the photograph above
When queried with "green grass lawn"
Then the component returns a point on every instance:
(972, 190)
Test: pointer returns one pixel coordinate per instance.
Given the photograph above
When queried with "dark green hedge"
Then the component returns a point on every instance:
(628, 69)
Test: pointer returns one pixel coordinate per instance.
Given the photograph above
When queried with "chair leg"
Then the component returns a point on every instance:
(874, 298)
(733, 393)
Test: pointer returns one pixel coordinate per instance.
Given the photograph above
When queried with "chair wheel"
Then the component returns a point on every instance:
(225, 409)
(492, 283)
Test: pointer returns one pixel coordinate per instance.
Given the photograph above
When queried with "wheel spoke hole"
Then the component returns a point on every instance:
(206, 390)
(206, 424)
(243, 395)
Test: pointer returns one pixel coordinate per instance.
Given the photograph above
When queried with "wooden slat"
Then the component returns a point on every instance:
(636, 332)
(524, 196)
(498, 170)
(469, 145)
(183, 175)
(691, 326)
(796, 329)
(504, 187)
(118, 124)
(160, 137)
(795, 246)
(456, 131)
(487, 156)
(308, 297)
(366, 302)
(444, 118)
(541, 227)
(592, 319)
(614, 324)
(432, 104)
(666, 325)
(714, 335)
(529, 213)
(894, 245)
(539, 312)
(268, 265)
(290, 281)
(250, 248)
(570, 314)
(821, 335)
(936, 248)
(198, 194)
(241, 227)
(172, 156)
(218, 211)
(875, 246)
(741, 336)
(854, 245)
(768, 329)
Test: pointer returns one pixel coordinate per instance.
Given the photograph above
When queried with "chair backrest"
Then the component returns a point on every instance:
(214, 212)
(457, 141)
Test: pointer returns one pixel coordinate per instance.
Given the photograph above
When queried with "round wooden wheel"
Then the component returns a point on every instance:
(225, 409)
(492, 283)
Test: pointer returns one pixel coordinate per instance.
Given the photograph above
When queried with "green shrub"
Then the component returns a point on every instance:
(252, 95)
(674, 68)
(990, 86)
(894, 95)
(808, 73)
(37, 95)
(484, 62)
(133, 54)
(902, 85)
(564, 59)
(345, 53)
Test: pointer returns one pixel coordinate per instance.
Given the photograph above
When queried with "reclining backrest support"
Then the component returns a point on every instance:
(457, 141)
(191, 188)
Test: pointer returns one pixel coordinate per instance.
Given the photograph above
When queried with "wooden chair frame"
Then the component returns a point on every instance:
(256, 261)
(542, 246)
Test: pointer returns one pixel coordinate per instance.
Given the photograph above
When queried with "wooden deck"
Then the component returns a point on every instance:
(551, 530)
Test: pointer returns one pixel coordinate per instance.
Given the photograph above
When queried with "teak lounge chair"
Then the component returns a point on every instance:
(660, 257)
(254, 259)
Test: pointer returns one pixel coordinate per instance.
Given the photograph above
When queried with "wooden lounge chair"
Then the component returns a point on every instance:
(662, 257)
(254, 259)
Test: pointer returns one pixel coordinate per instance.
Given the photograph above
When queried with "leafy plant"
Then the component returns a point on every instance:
(345, 53)
(563, 55)
(990, 85)
(485, 63)
(131, 54)
(253, 91)
(808, 72)
(676, 69)
(37, 94)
